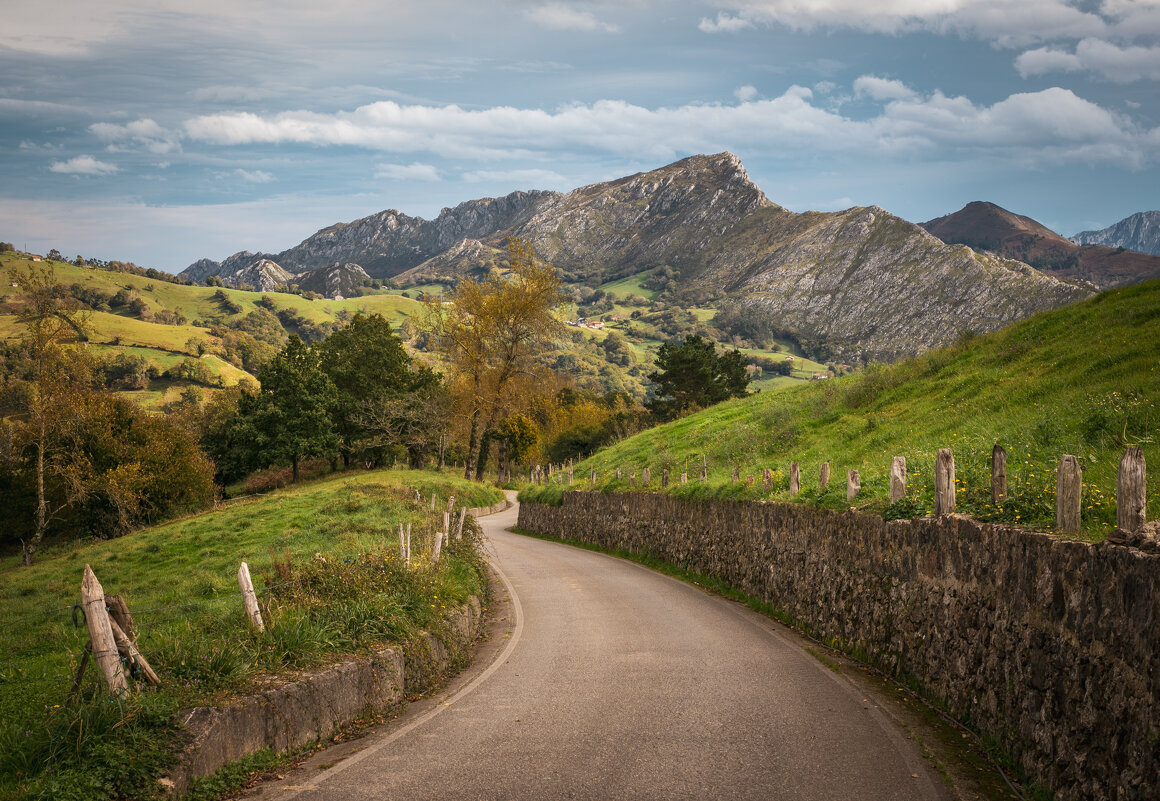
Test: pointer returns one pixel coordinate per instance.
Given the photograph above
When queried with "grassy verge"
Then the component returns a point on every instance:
(1082, 380)
(326, 567)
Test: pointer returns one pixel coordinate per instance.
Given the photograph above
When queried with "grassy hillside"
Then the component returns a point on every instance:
(303, 545)
(1082, 380)
(164, 345)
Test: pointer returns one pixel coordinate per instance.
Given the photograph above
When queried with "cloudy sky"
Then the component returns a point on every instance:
(157, 132)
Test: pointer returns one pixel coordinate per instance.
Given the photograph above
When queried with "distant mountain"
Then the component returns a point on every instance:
(858, 283)
(1139, 232)
(985, 226)
(390, 242)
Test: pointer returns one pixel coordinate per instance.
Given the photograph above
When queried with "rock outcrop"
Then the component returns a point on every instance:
(336, 281)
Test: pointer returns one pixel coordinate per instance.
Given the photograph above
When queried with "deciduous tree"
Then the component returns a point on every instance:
(491, 332)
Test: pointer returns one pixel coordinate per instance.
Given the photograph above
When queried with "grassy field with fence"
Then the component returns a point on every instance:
(1082, 380)
(329, 579)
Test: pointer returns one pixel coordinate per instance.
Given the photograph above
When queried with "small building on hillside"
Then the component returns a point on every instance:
(821, 376)
(789, 358)
(596, 324)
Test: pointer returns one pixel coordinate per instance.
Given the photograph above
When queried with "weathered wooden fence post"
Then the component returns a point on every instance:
(101, 632)
(437, 547)
(853, 484)
(998, 473)
(735, 476)
(685, 477)
(704, 473)
(408, 545)
(592, 477)
(632, 479)
(402, 545)
(1131, 495)
(749, 479)
(646, 476)
(1068, 494)
(418, 497)
(618, 474)
(795, 478)
(250, 598)
(432, 501)
(447, 526)
(125, 635)
(451, 503)
(898, 479)
(767, 479)
(944, 482)
(824, 475)
(664, 477)
(570, 474)
(459, 525)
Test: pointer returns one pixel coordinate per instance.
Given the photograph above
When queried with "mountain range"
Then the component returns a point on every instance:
(1139, 232)
(861, 283)
(985, 226)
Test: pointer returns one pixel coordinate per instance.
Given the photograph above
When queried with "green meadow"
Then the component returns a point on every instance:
(1082, 380)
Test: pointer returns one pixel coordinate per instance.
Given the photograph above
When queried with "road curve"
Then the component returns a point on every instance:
(617, 682)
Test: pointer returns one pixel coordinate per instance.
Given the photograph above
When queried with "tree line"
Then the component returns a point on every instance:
(77, 460)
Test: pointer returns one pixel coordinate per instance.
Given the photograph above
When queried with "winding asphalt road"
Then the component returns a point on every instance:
(613, 681)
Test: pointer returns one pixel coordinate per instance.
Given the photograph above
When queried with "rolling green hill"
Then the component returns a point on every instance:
(1082, 380)
(189, 312)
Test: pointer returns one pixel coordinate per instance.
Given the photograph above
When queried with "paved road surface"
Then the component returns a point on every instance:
(617, 682)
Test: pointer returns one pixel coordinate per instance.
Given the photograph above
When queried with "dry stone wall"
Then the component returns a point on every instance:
(1050, 646)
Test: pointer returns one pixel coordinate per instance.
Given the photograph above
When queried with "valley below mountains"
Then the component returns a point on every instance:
(851, 285)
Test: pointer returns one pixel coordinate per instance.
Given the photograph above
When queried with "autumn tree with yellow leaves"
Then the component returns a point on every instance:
(491, 332)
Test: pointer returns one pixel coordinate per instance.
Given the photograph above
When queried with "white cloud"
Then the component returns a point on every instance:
(83, 165)
(882, 88)
(407, 172)
(1119, 64)
(745, 93)
(526, 178)
(1008, 22)
(1051, 126)
(254, 176)
(144, 132)
(725, 23)
(560, 17)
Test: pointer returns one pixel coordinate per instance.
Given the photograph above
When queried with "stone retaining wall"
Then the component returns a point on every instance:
(313, 708)
(1049, 646)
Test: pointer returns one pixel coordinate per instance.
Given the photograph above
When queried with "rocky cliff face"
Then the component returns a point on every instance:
(390, 242)
(678, 215)
(264, 275)
(866, 284)
(856, 283)
(1139, 232)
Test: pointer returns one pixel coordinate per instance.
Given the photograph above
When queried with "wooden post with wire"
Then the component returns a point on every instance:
(249, 598)
(897, 479)
(104, 645)
(1131, 492)
(944, 483)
